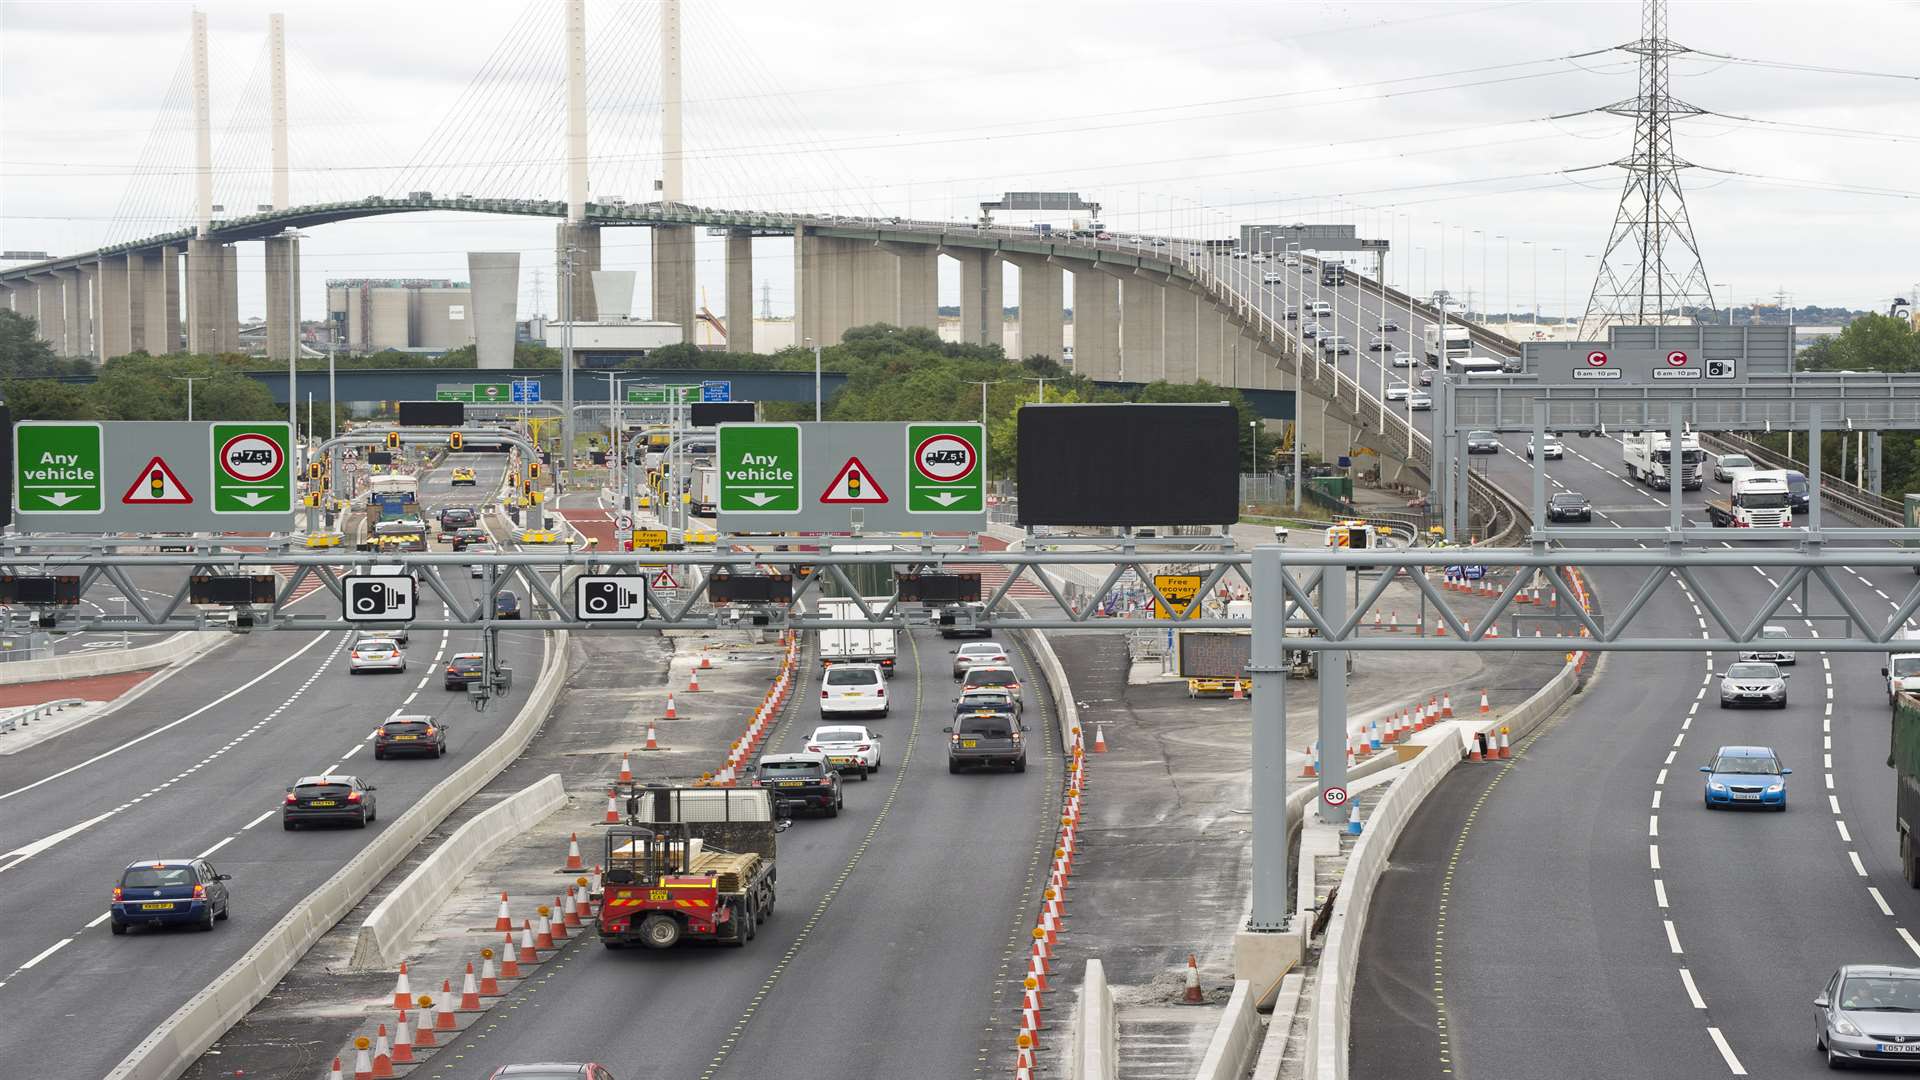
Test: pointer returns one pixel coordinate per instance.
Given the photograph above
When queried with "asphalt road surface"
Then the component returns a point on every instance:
(197, 766)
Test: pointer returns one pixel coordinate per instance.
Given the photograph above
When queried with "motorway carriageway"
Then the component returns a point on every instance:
(1578, 912)
(900, 930)
(197, 766)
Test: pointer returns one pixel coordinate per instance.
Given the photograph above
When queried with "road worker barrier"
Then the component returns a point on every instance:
(180, 1039)
(384, 934)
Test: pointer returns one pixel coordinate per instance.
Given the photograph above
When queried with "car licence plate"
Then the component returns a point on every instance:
(405, 738)
(843, 760)
(658, 896)
(1897, 1048)
(793, 783)
(156, 907)
(323, 802)
(1743, 795)
(968, 744)
(853, 693)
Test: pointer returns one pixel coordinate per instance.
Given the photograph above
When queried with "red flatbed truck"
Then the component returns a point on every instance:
(689, 864)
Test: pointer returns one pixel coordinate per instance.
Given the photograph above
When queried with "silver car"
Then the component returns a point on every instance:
(1869, 1012)
(1753, 684)
(376, 654)
(1419, 402)
(1771, 655)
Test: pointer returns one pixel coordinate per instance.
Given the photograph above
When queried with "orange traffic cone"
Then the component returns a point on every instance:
(556, 925)
(1493, 631)
(469, 991)
(543, 930)
(423, 1035)
(489, 982)
(362, 1065)
(1506, 751)
(1376, 622)
(573, 851)
(382, 1054)
(613, 812)
(705, 664)
(671, 714)
(1239, 690)
(1393, 621)
(653, 740)
(1100, 739)
(443, 1013)
(1440, 627)
(402, 993)
(693, 683)
(502, 921)
(1193, 996)
(570, 912)
(626, 768)
(1485, 708)
(509, 962)
(1312, 769)
(402, 1041)
(529, 948)
(1473, 748)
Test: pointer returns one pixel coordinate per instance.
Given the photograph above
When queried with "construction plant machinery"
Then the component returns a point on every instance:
(689, 863)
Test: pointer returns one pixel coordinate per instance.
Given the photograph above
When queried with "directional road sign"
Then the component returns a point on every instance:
(453, 392)
(759, 468)
(526, 391)
(949, 472)
(152, 476)
(716, 390)
(59, 468)
(610, 597)
(252, 468)
(882, 477)
(649, 395)
(492, 393)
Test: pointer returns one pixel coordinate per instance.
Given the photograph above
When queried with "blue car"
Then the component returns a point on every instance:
(1746, 776)
(169, 892)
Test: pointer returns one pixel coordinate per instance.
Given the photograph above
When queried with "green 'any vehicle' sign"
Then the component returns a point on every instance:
(759, 468)
(58, 468)
(492, 392)
(946, 471)
(252, 473)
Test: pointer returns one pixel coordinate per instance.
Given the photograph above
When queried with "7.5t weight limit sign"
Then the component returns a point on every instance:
(251, 473)
(946, 468)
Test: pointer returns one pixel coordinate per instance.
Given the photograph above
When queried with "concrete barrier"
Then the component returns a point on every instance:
(1329, 1023)
(1067, 709)
(1235, 1040)
(384, 934)
(1096, 1041)
(89, 662)
(180, 1040)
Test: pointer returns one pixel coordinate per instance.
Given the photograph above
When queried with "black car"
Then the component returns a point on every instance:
(465, 538)
(1569, 506)
(409, 735)
(455, 518)
(1426, 378)
(950, 618)
(506, 604)
(332, 798)
(463, 668)
(987, 737)
(169, 892)
(804, 781)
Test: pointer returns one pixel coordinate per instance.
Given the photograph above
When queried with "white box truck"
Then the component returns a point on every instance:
(856, 646)
(1459, 342)
(706, 489)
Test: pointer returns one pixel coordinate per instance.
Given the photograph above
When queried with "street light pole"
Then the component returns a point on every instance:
(189, 380)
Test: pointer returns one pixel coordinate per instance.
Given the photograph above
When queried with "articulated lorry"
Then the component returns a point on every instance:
(1647, 453)
(1758, 501)
(690, 863)
(1903, 753)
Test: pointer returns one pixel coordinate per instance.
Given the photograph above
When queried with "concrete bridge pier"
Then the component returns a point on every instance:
(982, 297)
(1143, 357)
(78, 295)
(1182, 334)
(115, 303)
(213, 293)
(825, 276)
(1042, 307)
(283, 293)
(1210, 364)
(52, 312)
(584, 242)
(673, 276)
(1096, 324)
(740, 290)
(156, 324)
(915, 275)
(875, 283)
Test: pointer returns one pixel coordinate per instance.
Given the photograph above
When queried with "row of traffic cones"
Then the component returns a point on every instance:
(765, 715)
(1034, 985)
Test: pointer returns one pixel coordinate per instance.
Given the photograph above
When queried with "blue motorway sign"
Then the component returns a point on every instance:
(720, 390)
(526, 391)
(1470, 573)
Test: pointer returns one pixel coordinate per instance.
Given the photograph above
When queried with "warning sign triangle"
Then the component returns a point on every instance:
(664, 579)
(156, 485)
(853, 484)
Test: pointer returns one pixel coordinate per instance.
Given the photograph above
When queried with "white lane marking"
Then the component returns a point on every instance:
(1680, 738)
(46, 952)
(1670, 754)
(1880, 900)
(1693, 992)
(98, 919)
(1673, 937)
(357, 747)
(260, 819)
(221, 700)
(1829, 761)
(1657, 782)
(1834, 802)
(1653, 825)
(1908, 938)
(1858, 867)
(1653, 855)
(1656, 800)
(410, 698)
(1660, 892)
(30, 850)
(215, 848)
(1844, 834)
(423, 681)
(1726, 1052)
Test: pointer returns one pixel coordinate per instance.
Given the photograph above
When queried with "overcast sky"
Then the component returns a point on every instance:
(1189, 115)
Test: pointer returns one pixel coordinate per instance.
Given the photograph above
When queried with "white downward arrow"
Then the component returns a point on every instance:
(60, 498)
(759, 498)
(946, 498)
(253, 498)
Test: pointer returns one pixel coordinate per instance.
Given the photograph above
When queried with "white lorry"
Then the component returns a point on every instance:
(1459, 342)
(856, 646)
(1759, 501)
(1647, 453)
(706, 489)
(1903, 665)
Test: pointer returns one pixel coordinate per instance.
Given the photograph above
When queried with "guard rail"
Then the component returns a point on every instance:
(1849, 498)
(20, 718)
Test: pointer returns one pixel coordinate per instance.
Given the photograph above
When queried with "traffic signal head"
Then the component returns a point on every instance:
(533, 470)
(393, 440)
(453, 441)
(315, 470)
(538, 497)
